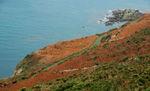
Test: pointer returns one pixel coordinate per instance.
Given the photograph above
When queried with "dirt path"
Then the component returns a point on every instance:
(70, 70)
(96, 43)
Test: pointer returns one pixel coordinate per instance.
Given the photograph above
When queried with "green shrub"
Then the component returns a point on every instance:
(94, 58)
(141, 81)
(124, 52)
(29, 55)
(125, 59)
(135, 75)
(93, 87)
(147, 77)
(142, 57)
(1, 83)
(128, 41)
(70, 84)
(64, 79)
(23, 78)
(50, 83)
(114, 55)
(14, 82)
(23, 89)
(139, 48)
(105, 45)
(38, 86)
(78, 86)
(58, 79)
(32, 73)
(58, 89)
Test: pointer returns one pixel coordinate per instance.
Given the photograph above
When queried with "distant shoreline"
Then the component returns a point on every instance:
(119, 15)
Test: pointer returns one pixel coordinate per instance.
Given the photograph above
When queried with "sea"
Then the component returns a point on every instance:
(29, 25)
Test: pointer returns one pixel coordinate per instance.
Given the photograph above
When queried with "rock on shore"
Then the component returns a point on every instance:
(122, 16)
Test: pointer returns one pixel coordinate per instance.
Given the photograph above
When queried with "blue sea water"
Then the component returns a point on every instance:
(28, 25)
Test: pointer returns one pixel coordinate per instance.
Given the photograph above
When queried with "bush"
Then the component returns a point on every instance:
(58, 79)
(50, 83)
(125, 59)
(106, 46)
(124, 52)
(78, 86)
(147, 77)
(139, 48)
(94, 58)
(29, 56)
(14, 82)
(142, 57)
(23, 89)
(58, 89)
(141, 81)
(70, 84)
(93, 88)
(64, 79)
(128, 41)
(32, 73)
(135, 75)
(114, 55)
(1, 83)
(23, 78)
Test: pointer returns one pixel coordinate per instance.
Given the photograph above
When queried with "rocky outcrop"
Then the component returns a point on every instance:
(122, 16)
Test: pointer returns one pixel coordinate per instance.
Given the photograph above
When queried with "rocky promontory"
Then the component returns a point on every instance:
(122, 16)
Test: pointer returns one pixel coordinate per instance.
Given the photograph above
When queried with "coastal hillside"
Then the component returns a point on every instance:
(52, 54)
(118, 59)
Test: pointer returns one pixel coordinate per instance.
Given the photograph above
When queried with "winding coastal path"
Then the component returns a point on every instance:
(95, 44)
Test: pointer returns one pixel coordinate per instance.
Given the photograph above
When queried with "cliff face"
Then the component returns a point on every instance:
(81, 55)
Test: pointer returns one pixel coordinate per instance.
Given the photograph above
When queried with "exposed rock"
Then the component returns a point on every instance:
(17, 72)
(122, 16)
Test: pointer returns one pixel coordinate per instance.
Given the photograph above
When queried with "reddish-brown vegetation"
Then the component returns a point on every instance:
(107, 51)
(62, 49)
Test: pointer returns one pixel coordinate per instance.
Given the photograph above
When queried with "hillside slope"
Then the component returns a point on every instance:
(118, 45)
(52, 53)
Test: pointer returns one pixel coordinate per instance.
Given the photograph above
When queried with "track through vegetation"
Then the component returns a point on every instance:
(95, 44)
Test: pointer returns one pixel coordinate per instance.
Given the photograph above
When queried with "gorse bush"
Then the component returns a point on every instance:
(109, 76)
(125, 58)
(23, 89)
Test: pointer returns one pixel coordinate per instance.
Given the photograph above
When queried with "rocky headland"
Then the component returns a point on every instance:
(122, 16)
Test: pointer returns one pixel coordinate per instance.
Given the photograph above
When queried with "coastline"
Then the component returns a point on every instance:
(119, 16)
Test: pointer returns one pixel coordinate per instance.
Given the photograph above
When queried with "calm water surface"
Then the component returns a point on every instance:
(28, 25)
